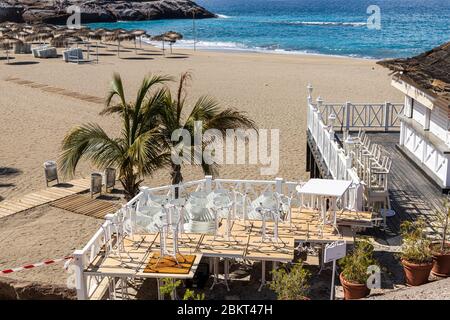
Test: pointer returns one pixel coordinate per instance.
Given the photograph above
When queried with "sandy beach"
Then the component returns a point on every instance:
(270, 88)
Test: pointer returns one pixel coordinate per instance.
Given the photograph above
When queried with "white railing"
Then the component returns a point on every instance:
(368, 116)
(425, 152)
(86, 285)
(339, 165)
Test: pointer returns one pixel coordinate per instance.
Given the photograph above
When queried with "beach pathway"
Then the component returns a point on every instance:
(38, 198)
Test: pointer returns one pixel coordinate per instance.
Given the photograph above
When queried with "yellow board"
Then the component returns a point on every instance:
(169, 265)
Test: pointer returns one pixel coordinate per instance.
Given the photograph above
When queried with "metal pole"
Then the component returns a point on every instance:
(333, 281)
(194, 30)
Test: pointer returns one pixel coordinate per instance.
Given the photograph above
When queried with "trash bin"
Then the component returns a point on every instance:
(109, 178)
(51, 172)
(96, 183)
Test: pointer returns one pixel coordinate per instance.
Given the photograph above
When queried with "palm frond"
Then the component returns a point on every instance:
(91, 142)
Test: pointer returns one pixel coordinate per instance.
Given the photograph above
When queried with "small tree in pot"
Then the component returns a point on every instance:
(291, 284)
(416, 253)
(441, 249)
(355, 273)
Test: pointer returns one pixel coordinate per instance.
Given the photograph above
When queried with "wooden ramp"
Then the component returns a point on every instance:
(83, 204)
(38, 198)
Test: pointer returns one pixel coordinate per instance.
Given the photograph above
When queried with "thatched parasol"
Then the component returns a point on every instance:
(139, 33)
(115, 35)
(5, 42)
(40, 36)
(170, 36)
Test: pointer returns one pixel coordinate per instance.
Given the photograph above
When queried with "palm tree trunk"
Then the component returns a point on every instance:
(177, 177)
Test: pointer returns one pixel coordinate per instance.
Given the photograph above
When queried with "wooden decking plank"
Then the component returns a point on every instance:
(14, 206)
(412, 194)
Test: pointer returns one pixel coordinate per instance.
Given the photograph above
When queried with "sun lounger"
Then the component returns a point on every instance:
(73, 55)
(22, 48)
(35, 50)
(45, 52)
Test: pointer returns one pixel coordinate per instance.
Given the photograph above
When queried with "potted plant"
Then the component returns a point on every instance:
(416, 253)
(441, 249)
(355, 273)
(292, 284)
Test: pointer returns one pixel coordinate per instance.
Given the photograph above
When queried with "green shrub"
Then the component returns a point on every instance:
(290, 284)
(416, 245)
(354, 265)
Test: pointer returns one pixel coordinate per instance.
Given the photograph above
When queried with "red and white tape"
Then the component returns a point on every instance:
(34, 265)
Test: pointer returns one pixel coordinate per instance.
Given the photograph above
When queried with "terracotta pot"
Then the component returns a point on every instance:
(441, 261)
(353, 290)
(416, 274)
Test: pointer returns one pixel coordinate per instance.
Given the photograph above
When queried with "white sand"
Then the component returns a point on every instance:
(40, 234)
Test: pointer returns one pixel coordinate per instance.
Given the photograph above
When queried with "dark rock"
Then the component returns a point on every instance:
(35, 11)
(10, 13)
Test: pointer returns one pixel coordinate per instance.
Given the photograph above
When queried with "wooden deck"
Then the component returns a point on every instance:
(412, 194)
(35, 199)
(83, 204)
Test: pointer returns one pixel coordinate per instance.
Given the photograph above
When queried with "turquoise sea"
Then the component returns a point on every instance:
(331, 27)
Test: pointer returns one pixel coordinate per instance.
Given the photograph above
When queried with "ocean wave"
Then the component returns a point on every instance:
(327, 23)
(222, 16)
(240, 47)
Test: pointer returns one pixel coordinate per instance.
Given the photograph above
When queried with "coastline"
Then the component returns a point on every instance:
(251, 50)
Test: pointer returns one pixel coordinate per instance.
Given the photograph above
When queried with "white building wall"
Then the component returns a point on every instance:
(439, 123)
(419, 112)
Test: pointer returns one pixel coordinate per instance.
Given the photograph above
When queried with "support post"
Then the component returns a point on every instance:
(347, 107)
(387, 107)
(310, 90)
(81, 285)
(279, 185)
(208, 183)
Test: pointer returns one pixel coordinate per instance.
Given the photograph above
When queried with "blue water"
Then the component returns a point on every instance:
(331, 27)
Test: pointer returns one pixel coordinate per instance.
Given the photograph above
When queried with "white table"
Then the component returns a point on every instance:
(326, 188)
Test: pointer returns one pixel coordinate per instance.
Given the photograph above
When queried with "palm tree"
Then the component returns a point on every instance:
(206, 110)
(137, 151)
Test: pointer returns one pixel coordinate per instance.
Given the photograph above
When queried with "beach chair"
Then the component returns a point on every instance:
(73, 55)
(36, 50)
(22, 48)
(46, 53)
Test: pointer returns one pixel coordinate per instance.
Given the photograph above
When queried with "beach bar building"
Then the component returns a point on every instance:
(424, 123)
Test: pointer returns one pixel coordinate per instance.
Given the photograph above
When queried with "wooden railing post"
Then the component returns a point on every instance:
(310, 90)
(387, 107)
(80, 278)
(279, 185)
(208, 183)
(347, 115)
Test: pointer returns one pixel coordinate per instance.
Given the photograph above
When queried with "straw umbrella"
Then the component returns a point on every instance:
(128, 37)
(162, 38)
(6, 41)
(138, 33)
(173, 37)
(115, 36)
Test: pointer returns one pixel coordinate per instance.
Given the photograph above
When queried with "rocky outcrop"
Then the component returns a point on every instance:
(35, 11)
(24, 290)
(10, 13)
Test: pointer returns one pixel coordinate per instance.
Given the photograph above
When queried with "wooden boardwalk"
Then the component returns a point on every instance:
(83, 204)
(412, 194)
(38, 198)
(55, 90)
